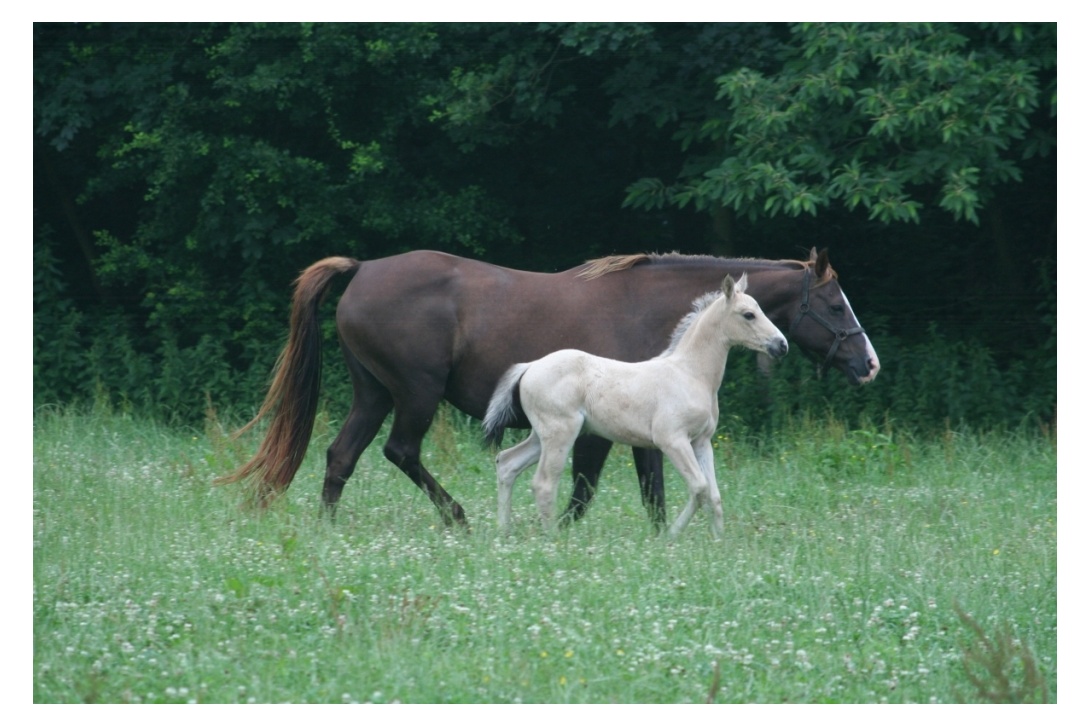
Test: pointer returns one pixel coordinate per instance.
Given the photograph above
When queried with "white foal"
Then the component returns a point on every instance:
(669, 403)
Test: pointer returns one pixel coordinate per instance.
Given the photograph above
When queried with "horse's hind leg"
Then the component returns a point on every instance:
(652, 490)
(588, 457)
(412, 417)
(510, 463)
(371, 403)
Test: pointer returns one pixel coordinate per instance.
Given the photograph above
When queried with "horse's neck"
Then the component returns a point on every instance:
(778, 290)
(704, 347)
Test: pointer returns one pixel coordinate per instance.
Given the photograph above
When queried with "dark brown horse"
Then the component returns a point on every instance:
(425, 326)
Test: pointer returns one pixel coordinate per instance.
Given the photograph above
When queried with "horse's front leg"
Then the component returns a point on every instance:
(652, 490)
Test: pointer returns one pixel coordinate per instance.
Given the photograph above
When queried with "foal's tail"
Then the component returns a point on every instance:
(293, 394)
(502, 407)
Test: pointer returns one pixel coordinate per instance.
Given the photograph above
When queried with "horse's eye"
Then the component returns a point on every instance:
(837, 309)
(748, 315)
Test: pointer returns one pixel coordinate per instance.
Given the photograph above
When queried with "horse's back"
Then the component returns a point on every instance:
(412, 320)
(430, 320)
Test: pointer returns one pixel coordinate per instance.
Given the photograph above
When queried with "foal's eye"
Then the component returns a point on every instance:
(749, 316)
(837, 309)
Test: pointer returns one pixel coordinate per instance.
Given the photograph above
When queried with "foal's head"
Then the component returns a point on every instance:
(746, 324)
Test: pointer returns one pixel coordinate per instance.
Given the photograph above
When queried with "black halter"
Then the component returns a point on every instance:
(839, 333)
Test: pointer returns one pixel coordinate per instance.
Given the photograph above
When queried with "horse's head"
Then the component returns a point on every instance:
(746, 324)
(825, 326)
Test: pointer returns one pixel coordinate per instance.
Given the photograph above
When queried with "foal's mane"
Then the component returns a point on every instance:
(699, 306)
(598, 267)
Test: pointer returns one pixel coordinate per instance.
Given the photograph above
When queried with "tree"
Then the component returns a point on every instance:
(206, 164)
(887, 117)
(185, 173)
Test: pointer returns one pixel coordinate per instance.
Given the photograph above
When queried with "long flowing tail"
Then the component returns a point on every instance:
(293, 394)
(501, 407)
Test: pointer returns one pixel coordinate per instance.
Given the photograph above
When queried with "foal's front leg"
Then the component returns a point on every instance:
(684, 458)
(705, 457)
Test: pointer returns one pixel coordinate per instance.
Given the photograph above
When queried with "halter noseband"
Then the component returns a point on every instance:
(839, 334)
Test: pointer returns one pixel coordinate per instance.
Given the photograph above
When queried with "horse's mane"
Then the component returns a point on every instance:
(599, 267)
(699, 306)
(604, 265)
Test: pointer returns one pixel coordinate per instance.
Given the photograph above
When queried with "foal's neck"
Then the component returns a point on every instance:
(704, 346)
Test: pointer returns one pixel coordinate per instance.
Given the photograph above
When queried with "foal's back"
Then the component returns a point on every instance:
(623, 402)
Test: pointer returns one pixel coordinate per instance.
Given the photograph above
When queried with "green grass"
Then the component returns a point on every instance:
(846, 560)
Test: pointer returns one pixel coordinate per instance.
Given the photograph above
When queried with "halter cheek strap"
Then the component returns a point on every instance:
(839, 334)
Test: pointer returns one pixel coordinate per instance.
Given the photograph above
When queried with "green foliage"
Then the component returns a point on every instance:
(58, 342)
(887, 117)
(185, 174)
(923, 386)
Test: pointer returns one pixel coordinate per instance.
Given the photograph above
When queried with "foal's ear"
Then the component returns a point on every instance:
(728, 287)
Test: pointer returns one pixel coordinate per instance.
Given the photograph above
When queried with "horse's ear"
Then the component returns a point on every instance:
(728, 287)
(821, 263)
(742, 283)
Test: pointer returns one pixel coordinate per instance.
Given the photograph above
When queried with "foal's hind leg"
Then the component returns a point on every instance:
(556, 442)
(371, 403)
(510, 463)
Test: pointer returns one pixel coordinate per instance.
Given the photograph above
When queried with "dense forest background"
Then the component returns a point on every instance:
(185, 173)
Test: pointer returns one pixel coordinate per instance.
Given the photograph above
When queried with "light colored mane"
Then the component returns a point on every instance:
(699, 306)
(604, 265)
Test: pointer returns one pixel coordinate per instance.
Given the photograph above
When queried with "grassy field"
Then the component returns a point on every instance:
(856, 567)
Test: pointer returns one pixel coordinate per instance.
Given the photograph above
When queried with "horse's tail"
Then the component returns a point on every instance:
(502, 407)
(293, 394)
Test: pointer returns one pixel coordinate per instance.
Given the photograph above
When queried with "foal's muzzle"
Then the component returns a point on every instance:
(777, 348)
